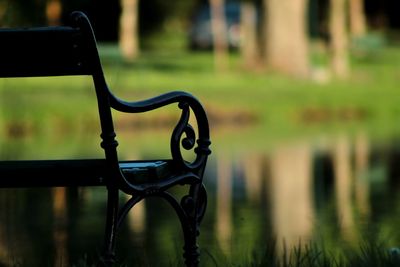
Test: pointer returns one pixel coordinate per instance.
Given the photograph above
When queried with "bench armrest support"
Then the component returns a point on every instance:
(185, 102)
(183, 135)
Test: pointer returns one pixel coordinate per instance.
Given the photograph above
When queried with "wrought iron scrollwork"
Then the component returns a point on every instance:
(188, 142)
(190, 212)
(183, 135)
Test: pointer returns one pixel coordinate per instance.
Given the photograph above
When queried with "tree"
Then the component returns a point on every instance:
(285, 34)
(128, 33)
(53, 12)
(248, 33)
(338, 38)
(357, 18)
(22, 13)
(218, 26)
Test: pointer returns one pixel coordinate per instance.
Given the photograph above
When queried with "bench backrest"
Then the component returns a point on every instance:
(42, 52)
(59, 51)
(49, 51)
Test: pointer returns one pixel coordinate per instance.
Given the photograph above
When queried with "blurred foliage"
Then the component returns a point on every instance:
(104, 14)
(368, 47)
(154, 13)
(22, 12)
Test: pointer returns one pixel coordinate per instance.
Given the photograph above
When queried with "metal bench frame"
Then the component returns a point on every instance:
(72, 50)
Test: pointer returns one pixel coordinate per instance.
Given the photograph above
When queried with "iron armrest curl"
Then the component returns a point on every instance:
(183, 135)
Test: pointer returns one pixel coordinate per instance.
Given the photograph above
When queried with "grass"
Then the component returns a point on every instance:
(368, 254)
(262, 105)
(303, 255)
(279, 104)
(311, 255)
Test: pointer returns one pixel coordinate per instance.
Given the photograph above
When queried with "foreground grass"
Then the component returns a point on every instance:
(367, 254)
(311, 255)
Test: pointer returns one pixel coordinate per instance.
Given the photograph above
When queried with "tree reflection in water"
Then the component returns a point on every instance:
(334, 190)
(290, 189)
(343, 187)
(224, 204)
(361, 170)
(60, 234)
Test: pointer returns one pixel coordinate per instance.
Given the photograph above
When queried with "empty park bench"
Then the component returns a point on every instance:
(72, 50)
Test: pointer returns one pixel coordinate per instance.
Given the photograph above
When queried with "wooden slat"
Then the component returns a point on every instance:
(49, 173)
(86, 172)
(50, 51)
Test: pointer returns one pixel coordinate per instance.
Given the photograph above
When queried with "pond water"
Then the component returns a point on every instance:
(335, 191)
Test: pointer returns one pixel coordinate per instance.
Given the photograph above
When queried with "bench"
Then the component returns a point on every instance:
(72, 50)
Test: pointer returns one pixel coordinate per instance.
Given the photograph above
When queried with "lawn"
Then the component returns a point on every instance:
(265, 105)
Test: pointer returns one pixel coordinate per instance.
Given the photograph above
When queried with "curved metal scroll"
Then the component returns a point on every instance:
(183, 135)
(186, 102)
(188, 142)
(182, 210)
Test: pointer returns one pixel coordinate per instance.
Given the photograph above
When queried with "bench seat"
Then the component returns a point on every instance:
(79, 172)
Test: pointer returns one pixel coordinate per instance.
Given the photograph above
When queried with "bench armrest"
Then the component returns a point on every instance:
(186, 102)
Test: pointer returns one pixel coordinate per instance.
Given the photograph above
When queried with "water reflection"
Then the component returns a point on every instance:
(252, 165)
(290, 190)
(137, 218)
(60, 235)
(339, 190)
(343, 186)
(224, 203)
(361, 169)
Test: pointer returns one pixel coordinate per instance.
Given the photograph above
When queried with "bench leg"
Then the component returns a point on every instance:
(190, 212)
(195, 206)
(191, 250)
(108, 257)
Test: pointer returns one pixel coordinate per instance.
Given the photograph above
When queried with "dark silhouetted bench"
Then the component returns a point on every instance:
(72, 50)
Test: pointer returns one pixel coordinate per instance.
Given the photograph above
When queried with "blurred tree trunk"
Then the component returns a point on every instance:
(128, 32)
(53, 12)
(357, 18)
(285, 37)
(220, 38)
(338, 38)
(248, 34)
